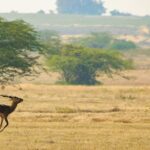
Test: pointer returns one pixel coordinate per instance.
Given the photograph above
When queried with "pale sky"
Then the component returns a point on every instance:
(138, 7)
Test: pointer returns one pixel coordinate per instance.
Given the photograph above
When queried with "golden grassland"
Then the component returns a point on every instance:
(54, 117)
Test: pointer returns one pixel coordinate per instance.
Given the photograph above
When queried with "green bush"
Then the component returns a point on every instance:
(122, 45)
(104, 41)
(96, 40)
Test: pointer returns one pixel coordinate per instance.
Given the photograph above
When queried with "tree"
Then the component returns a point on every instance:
(41, 12)
(123, 45)
(79, 65)
(18, 45)
(95, 40)
(118, 13)
(84, 7)
(104, 41)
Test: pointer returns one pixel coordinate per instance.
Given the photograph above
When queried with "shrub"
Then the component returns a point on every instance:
(122, 45)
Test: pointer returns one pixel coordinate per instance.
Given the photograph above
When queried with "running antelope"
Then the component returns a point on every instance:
(5, 110)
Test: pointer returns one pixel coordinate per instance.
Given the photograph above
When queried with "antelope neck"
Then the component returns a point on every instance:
(13, 106)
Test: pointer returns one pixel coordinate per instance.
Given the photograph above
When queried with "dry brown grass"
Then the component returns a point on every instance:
(78, 118)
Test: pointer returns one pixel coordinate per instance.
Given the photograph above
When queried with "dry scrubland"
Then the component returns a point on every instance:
(78, 118)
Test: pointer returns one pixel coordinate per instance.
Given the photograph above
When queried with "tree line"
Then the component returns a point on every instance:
(85, 7)
(21, 46)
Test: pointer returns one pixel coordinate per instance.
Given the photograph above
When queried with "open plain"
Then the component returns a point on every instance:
(56, 117)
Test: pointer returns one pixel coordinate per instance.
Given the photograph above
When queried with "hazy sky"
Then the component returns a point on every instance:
(139, 7)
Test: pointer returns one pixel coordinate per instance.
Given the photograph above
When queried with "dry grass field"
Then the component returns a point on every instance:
(78, 118)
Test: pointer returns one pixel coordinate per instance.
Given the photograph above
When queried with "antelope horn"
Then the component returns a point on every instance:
(6, 96)
(9, 96)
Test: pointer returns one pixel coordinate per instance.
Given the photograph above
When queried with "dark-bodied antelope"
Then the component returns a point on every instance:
(5, 110)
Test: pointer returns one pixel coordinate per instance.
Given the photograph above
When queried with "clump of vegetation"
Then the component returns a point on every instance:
(80, 65)
(123, 45)
(118, 13)
(104, 41)
(95, 40)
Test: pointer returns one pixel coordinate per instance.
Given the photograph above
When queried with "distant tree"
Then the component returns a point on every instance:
(51, 40)
(96, 40)
(14, 12)
(18, 43)
(84, 7)
(123, 45)
(104, 40)
(118, 13)
(42, 12)
(79, 65)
